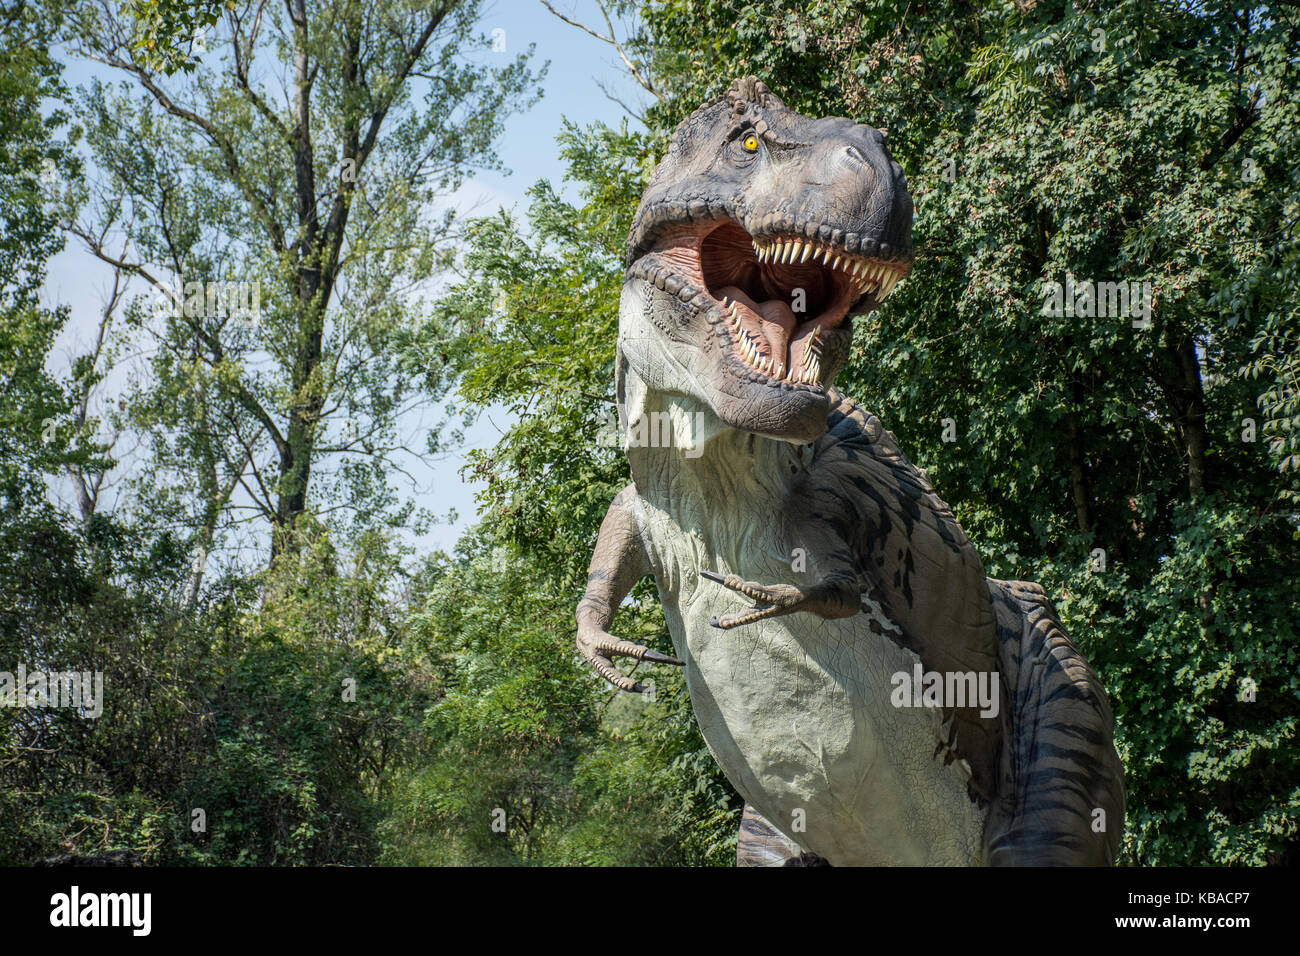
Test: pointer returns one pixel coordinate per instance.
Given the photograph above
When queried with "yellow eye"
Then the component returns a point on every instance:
(750, 143)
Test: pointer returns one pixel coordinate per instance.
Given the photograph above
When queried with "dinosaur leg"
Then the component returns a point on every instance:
(618, 562)
(761, 844)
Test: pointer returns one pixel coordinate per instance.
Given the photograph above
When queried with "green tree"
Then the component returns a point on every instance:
(286, 231)
(36, 158)
(263, 719)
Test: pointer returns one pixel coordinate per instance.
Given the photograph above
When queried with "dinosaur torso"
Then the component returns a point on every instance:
(796, 711)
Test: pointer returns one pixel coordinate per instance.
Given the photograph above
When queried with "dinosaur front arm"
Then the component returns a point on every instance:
(833, 585)
(618, 562)
(829, 597)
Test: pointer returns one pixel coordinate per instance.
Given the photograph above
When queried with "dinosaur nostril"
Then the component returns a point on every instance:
(855, 154)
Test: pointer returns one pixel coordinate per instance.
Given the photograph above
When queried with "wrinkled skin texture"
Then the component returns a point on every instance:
(802, 560)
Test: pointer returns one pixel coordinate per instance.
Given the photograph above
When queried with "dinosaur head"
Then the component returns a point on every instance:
(760, 235)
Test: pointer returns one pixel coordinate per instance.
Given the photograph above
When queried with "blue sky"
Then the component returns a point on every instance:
(578, 63)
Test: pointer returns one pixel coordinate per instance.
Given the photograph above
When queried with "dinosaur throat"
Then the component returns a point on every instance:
(780, 296)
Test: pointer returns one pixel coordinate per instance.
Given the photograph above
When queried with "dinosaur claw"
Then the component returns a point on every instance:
(599, 649)
(658, 658)
(728, 621)
(713, 576)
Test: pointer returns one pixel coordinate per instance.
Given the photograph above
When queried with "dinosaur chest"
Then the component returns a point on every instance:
(797, 709)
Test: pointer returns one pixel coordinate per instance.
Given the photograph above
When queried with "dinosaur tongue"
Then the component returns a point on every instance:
(776, 322)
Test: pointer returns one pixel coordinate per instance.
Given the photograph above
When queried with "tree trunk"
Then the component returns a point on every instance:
(1195, 437)
(1078, 470)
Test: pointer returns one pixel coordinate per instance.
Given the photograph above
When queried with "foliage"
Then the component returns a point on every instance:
(170, 34)
(235, 709)
(36, 159)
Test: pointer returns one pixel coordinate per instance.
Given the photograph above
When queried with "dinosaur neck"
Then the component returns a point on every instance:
(681, 453)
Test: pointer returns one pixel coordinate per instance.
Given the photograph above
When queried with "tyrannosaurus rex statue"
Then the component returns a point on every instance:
(876, 699)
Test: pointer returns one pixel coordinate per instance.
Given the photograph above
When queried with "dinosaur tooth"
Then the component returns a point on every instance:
(806, 250)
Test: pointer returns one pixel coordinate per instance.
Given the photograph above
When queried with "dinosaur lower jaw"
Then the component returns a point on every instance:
(781, 296)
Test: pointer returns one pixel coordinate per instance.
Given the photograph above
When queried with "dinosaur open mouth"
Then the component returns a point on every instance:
(782, 295)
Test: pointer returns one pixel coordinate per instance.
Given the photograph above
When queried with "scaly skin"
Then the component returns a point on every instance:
(802, 560)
